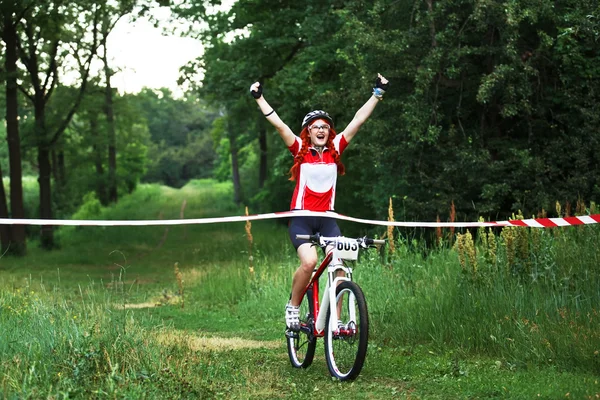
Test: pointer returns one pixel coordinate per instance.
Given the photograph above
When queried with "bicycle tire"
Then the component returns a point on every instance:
(301, 344)
(346, 348)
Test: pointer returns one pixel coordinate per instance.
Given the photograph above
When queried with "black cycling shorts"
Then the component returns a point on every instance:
(311, 225)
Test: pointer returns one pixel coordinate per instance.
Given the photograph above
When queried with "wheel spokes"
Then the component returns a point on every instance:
(344, 340)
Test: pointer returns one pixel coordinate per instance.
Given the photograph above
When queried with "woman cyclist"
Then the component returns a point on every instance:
(316, 165)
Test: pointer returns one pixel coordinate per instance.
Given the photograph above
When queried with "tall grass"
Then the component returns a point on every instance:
(66, 324)
(52, 348)
(541, 309)
(537, 307)
(84, 321)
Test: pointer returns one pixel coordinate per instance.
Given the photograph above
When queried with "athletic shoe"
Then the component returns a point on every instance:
(292, 320)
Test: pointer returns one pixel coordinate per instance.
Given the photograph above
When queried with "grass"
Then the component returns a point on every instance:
(103, 317)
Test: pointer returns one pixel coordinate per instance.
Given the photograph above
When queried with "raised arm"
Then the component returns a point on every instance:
(365, 111)
(284, 131)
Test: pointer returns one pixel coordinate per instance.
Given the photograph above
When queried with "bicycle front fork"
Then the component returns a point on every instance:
(329, 298)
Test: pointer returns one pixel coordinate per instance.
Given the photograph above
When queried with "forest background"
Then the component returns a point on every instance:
(493, 106)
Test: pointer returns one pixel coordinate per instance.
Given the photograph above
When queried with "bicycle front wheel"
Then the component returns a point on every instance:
(346, 347)
(301, 344)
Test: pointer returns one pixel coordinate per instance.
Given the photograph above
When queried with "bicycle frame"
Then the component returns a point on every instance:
(333, 263)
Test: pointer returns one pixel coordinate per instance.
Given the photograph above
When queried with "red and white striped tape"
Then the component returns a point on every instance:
(534, 223)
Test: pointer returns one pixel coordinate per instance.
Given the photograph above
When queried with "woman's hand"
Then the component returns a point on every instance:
(381, 85)
(284, 131)
(256, 90)
(381, 82)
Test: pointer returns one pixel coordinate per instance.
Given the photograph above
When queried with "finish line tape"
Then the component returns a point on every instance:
(533, 223)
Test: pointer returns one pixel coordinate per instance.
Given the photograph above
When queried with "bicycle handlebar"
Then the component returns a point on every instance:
(317, 239)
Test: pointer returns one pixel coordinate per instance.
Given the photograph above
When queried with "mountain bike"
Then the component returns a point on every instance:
(340, 318)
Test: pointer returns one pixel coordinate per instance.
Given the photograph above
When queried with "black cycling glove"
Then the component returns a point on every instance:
(381, 85)
(256, 94)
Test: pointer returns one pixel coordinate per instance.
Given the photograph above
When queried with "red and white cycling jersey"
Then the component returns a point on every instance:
(315, 185)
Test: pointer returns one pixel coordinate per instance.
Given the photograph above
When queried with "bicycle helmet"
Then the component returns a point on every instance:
(317, 114)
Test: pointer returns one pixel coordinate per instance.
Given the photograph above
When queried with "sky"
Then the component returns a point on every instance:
(147, 58)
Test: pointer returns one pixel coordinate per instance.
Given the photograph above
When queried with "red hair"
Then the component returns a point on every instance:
(305, 137)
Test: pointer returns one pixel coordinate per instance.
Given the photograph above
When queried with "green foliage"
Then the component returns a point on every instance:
(182, 148)
(84, 147)
(132, 157)
(492, 105)
(90, 209)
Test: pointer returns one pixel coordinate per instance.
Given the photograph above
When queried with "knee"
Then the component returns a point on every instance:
(308, 264)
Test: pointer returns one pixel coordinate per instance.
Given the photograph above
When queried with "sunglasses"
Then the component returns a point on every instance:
(325, 127)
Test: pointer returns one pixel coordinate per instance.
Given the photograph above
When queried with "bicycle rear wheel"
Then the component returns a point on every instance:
(301, 344)
(346, 348)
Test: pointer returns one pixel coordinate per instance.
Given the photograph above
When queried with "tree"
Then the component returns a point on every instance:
(53, 31)
(182, 147)
(491, 104)
(85, 142)
(13, 234)
(110, 17)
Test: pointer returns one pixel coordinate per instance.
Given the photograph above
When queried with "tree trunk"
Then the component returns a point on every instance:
(5, 238)
(101, 192)
(47, 231)
(45, 173)
(58, 168)
(61, 169)
(112, 135)
(9, 35)
(54, 164)
(235, 169)
(262, 142)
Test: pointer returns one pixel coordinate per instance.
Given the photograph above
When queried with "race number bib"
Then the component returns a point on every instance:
(347, 249)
